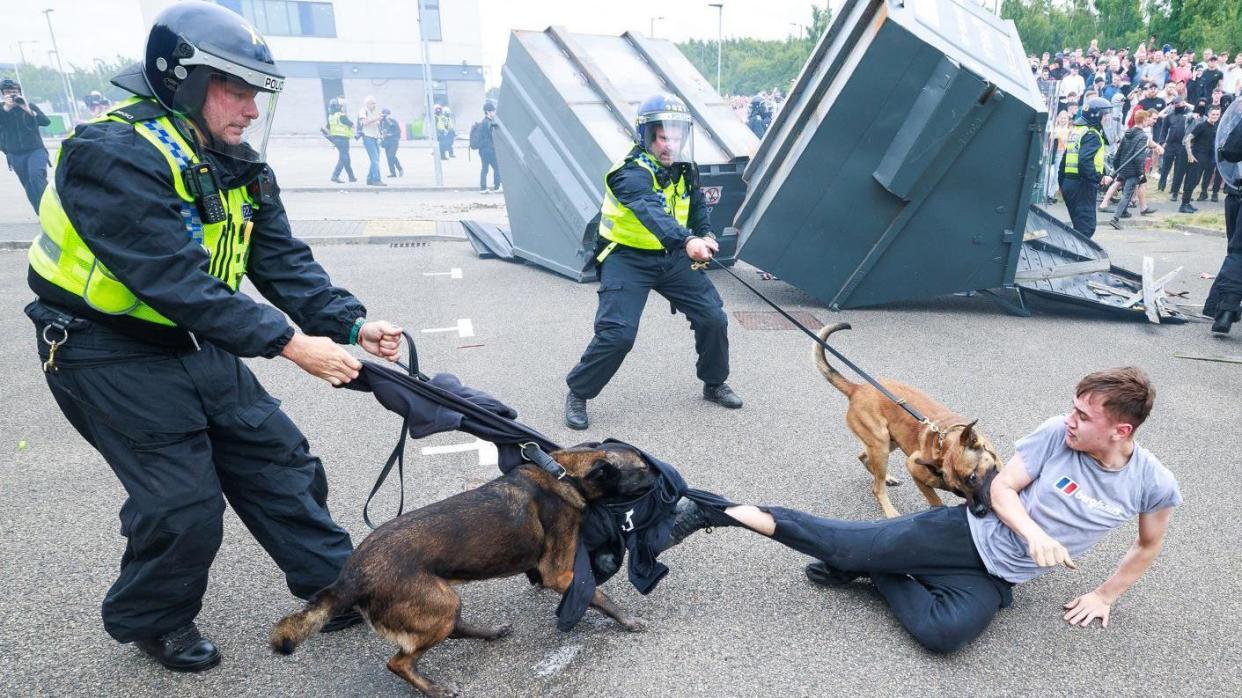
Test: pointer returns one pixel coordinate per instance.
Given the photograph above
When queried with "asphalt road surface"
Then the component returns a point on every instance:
(736, 615)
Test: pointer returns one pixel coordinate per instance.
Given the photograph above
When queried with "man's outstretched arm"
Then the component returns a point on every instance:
(1097, 604)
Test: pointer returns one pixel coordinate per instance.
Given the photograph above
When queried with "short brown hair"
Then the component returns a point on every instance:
(1140, 117)
(1127, 392)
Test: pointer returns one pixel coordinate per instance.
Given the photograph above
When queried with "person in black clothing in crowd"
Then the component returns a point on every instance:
(1151, 101)
(1196, 89)
(390, 139)
(487, 148)
(1202, 158)
(1173, 132)
(167, 200)
(1212, 75)
(758, 119)
(1224, 300)
(21, 142)
(1082, 167)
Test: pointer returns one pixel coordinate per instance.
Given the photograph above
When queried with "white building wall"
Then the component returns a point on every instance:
(377, 51)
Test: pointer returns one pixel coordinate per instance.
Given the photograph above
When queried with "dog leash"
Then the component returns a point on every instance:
(853, 367)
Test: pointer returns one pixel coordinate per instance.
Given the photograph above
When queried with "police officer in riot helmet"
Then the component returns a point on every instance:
(1082, 168)
(654, 225)
(160, 207)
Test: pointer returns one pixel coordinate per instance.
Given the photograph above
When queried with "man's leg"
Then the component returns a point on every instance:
(33, 175)
(625, 280)
(1080, 203)
(1166, 164)
(1193, 174)
(277, 487)
(1179, 170)
(144, 417)
(1127, 193)
(693, 294)
(483, 164)
(944, 612)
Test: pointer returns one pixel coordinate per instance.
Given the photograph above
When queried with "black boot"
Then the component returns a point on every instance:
(825, 576)
(722, 395)
(1225, 320)
(1187, 208)
(183, 649)
(575, 412)
(690, 518)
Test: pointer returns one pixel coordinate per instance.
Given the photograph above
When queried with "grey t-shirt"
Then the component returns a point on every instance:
(1073, 499)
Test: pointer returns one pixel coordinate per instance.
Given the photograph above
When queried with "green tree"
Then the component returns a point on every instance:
(749, 65)
(44, 84)
(1053, 25)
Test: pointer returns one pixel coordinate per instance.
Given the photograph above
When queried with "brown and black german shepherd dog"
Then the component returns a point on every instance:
(401, 577)
(956, 458)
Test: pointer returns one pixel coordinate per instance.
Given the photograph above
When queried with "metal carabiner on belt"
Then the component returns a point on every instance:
(50, 366)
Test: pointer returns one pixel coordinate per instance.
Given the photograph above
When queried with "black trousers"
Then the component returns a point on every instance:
(31, 169)
(342, 158)
(1226, 291)
(924, 565)
(627, 276)
(1080, 203)
(487, 158)
(390, 155)
(185, 432)
(1201, 175)
(1174, 159)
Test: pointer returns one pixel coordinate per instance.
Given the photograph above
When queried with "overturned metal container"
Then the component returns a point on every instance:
(903, 162)
(566, 113)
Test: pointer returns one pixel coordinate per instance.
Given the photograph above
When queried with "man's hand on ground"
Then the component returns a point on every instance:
(1086, 608)
(701, 249)
(381, 338)
(322, 358)
(1047, 552)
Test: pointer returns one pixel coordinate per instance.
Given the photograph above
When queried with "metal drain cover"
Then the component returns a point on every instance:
(772, 320)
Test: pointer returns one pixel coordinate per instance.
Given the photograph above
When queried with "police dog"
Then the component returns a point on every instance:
(401, 577)
(949, 454)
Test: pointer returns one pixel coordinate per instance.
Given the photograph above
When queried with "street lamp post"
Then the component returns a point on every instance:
(653, 21)
(73, 102)
(719, 37)
(22, 57)
(429, 121)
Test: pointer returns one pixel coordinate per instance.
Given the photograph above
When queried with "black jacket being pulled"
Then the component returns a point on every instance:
(117, 190)
(19, 131)
(631, 184)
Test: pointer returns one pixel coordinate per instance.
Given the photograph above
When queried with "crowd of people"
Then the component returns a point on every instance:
(1163, 107)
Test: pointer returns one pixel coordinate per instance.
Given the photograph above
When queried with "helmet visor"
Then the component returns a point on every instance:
(235, 118)
(669, 139)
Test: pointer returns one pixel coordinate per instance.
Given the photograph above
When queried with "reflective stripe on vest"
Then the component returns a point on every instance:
(619, 224)
(60, 256)
(337, 128)
(1075, 144)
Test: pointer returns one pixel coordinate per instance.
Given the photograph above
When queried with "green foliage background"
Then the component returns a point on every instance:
(749, 66)
(1052, 25)
(41, 83)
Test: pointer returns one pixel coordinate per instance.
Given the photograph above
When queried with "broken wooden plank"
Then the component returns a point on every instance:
(1063, 270)
(1221, 358)
(1149, 291)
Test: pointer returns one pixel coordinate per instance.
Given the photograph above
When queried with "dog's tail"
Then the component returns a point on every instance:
(838, 381)
(293, 629)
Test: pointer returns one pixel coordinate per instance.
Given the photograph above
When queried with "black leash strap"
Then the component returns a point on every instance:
(853, 367)
(532, 449)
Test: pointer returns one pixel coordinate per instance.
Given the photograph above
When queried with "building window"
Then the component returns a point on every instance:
(286, 17)
(429, 15)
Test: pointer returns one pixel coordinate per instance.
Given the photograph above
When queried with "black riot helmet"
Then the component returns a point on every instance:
(193, 45)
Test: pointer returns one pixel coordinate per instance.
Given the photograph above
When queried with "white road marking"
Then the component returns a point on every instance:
(454, 273)
(463, 328)
(488, 455)
(556, 660)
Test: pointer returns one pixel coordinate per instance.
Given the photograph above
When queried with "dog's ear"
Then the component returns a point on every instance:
(970, 438)
(602, 472)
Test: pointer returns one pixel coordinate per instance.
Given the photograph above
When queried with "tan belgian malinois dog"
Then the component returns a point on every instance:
(947, 454)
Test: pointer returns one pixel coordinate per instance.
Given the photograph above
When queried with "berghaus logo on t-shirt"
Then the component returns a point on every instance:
(1067, 486)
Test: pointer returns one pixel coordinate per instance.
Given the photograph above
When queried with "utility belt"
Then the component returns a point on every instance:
(73, 307)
